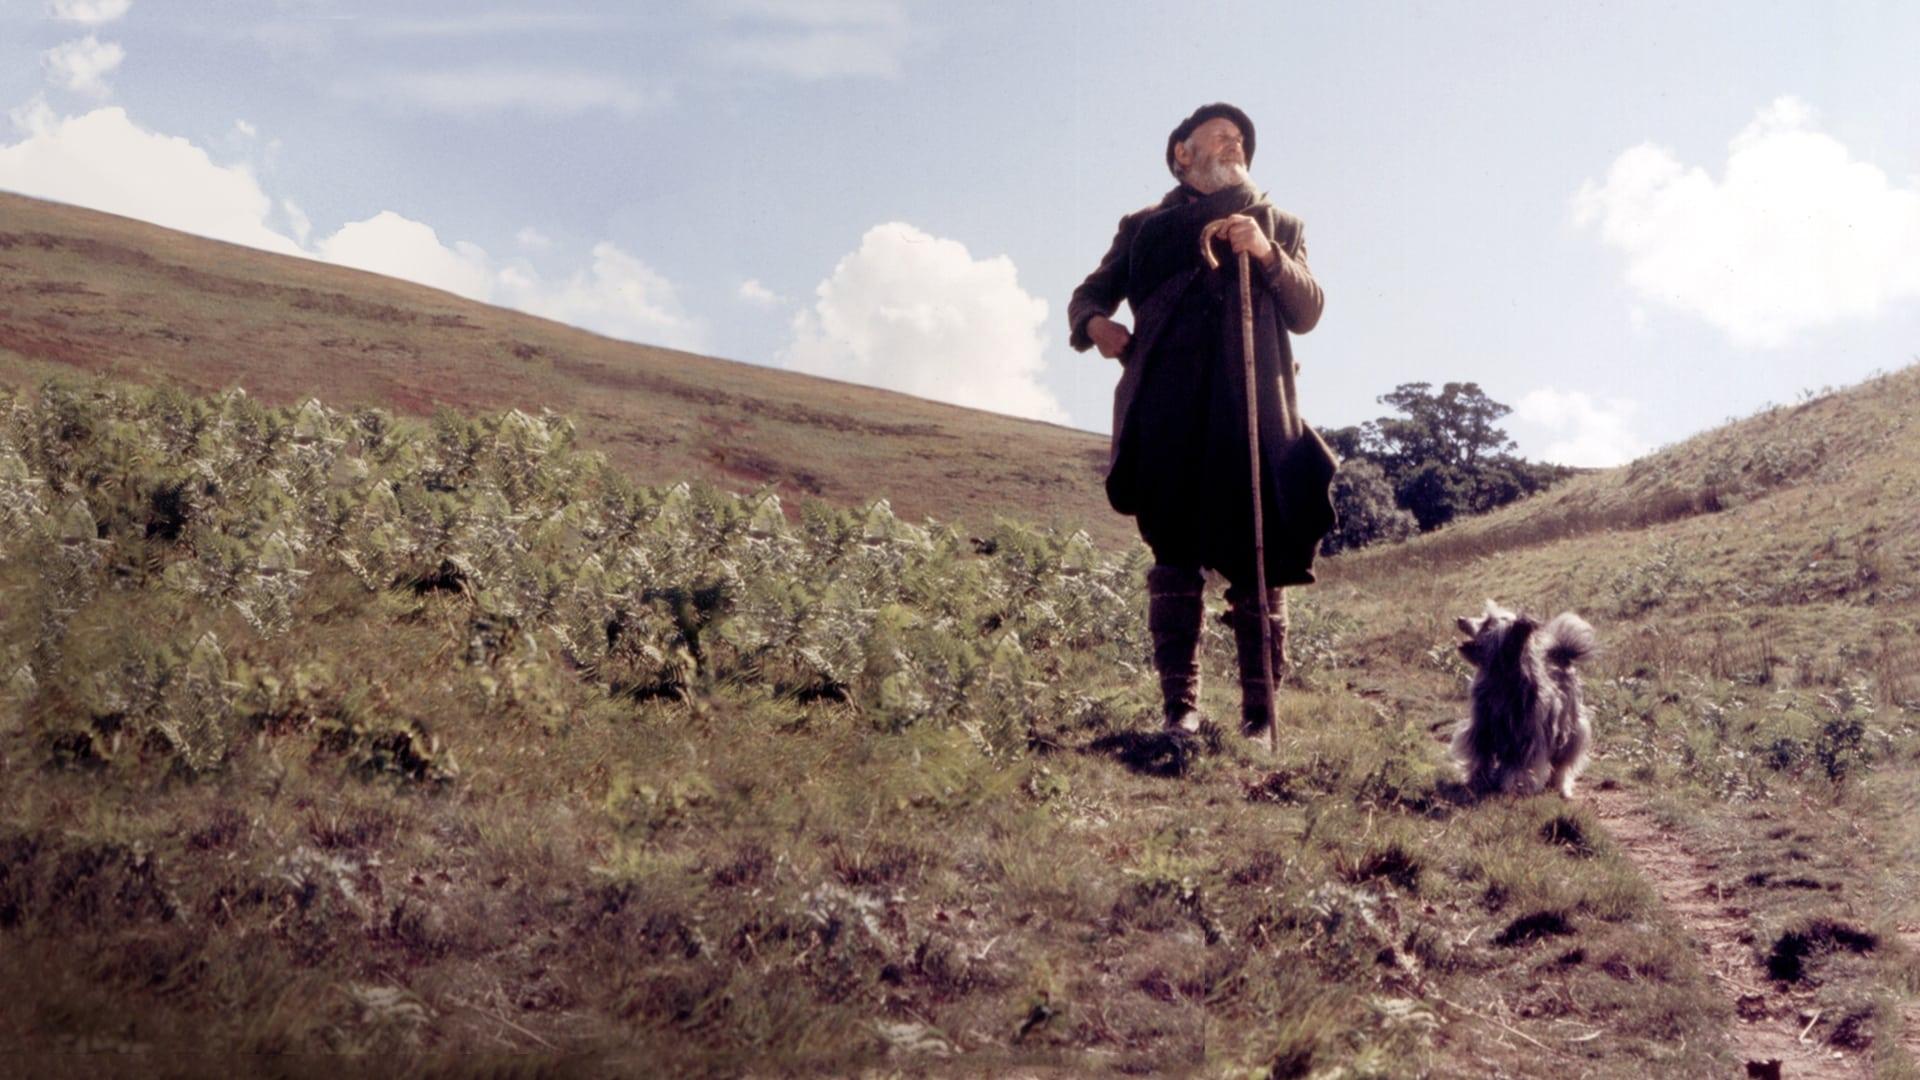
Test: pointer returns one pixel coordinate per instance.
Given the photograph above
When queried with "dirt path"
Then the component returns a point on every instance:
(1910, 1011)
(1770, 1020)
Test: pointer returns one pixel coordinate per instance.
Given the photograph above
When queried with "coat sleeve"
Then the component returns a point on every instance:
(1103, 290)
(1301, 300)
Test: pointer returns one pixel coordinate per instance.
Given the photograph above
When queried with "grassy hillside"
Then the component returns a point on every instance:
(338, 732)
(1757, 590)
(1786, 538)
(482, 739)
(93, 292)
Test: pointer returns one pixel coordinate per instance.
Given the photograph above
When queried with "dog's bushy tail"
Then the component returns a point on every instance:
(1568, 639)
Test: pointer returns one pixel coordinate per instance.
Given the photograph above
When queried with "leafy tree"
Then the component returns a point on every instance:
(1433, 492)
(1443, 456)
(1347, 442)
(1456, 426)
(1364, 507)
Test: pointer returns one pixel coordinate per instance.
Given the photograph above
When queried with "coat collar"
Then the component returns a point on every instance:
(1184, 193)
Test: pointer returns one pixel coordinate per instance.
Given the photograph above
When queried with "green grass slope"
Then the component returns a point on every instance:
(99, 293)
(332, 732)
(1787, 537)
(464, 742)
(1757, 594)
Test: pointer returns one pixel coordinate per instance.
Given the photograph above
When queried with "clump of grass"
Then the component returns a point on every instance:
(1534, 926)
(1392, 863)
(1566, 831)
(1792, 951)
(877, 863)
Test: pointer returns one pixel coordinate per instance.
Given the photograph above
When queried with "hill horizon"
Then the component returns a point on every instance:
(97, 292)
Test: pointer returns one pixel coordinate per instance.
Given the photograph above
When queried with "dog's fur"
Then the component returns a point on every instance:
(1529, 728)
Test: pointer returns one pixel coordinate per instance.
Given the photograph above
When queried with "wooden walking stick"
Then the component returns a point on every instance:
(1288, 423)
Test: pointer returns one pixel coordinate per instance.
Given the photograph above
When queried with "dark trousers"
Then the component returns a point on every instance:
(1174, 587)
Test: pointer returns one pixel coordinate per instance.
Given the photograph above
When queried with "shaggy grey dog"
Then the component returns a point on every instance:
(1529, 729)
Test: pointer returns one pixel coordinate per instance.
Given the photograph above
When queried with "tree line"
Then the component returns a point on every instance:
(1443, 456)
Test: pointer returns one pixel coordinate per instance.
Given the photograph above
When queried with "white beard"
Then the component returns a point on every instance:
(1212, 174)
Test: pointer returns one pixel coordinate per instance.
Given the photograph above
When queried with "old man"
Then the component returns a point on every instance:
(1180, 462)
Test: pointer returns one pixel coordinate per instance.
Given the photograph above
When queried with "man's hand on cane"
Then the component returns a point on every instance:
(1243, 234)
(1109, 336)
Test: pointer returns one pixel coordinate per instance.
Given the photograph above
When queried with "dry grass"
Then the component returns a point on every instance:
(435, 835)
(1755, 592)
(420, 822)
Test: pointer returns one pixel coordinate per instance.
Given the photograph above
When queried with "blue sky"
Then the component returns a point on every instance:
(1630, 221)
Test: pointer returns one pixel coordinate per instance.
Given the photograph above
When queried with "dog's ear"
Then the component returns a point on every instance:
(1469, 627)
(1518, 635)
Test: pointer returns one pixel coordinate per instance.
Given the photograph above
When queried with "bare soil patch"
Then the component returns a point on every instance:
(1770, 1016)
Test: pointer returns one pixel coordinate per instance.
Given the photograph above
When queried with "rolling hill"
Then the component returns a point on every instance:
(84, 290)
(328, 731)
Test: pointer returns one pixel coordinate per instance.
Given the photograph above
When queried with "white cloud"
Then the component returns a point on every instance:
(105, 161)
(33, 116)
(1794, 234)
(533, 239)
(298, 221)
(759, 295)
(83, 64)
(388, 243)
(474, 91)
(90, 12)
(818, 39)
(1580, 431)
(244, 129)
(619, 296)
(917, 313)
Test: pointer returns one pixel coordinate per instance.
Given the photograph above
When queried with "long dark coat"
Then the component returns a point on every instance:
(1179, 454)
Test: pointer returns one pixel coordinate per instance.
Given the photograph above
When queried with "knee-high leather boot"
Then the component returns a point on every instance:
(1175, 611)
(1243, 614)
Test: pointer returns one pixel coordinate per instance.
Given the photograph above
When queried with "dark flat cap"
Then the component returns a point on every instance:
(1200, 116)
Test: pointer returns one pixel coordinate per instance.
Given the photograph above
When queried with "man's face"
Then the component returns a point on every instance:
(1208, 158)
